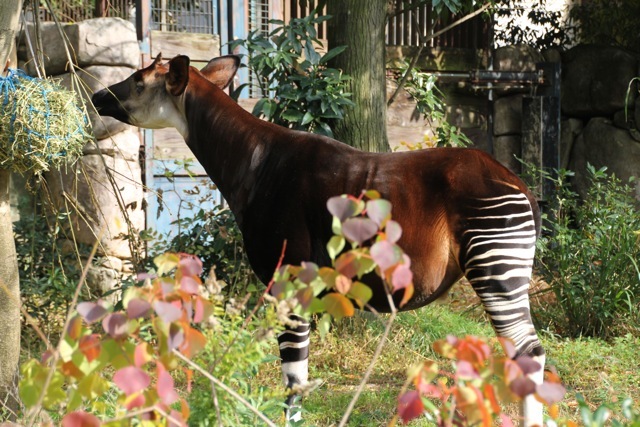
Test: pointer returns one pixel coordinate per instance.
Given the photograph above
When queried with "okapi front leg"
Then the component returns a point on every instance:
(294, 355)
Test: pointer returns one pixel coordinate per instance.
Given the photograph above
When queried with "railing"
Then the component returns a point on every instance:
(200, 17)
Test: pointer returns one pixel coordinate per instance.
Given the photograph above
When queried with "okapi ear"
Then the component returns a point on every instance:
(177, 78)
(220, 71)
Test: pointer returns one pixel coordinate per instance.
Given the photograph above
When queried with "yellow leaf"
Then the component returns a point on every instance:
(338, 305)
(166, 262)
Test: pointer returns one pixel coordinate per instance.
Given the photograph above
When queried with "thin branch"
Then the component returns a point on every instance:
(423, 42)
(374, 359)
(224, 387)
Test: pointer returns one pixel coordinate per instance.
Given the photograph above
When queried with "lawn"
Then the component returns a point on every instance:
(600, 371)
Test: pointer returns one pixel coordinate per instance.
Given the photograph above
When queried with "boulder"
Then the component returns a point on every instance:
(124, 145)
(99, 41)
(506, 148)
(88, 187)
(92, 79)
(603, 144)
(595, 80)
(516, 58)
(507, 113)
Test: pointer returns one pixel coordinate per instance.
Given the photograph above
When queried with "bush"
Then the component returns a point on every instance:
(299, 91)
(590, 256)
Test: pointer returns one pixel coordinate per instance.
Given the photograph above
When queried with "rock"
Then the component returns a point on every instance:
(516, 58)
(101, 280)
(99, 41)
(92, 79)
(569, 130)
(124, 145)
(507, 113)
(110, 262)
(602, 144)
(595, 80)
(88, 187)
(105, 41)
(506, 148)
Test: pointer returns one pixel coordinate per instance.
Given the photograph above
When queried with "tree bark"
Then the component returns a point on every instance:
(9, 279)
(360, 25)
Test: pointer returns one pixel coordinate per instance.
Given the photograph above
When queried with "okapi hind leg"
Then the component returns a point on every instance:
(294, 359)
(498, 249)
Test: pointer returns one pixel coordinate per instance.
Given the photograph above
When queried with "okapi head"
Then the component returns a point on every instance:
(152, 97)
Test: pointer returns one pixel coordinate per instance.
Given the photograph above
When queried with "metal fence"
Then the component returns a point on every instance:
(201, 17)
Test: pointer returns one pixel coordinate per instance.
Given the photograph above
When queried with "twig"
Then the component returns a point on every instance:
(423, 42)
(56, 354)
(374, 359)
(224, 387)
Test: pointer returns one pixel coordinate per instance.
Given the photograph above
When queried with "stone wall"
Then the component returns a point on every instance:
(594, 126)
(104, 188)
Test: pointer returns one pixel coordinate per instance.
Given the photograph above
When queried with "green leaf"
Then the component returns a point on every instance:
(308, 118)
(335, 246)
(324, 325)
(360, 293)
(332, 54)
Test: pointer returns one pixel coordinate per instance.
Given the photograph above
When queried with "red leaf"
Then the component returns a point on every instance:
(522, 386)
(90, 346)
(347, 264)
(141, 355)
(305, 297)
(80, 419)
(393, 231)
(135, 400)
(528, 364)
(401, 277)
(550, 392)
(193, 343)
(176, 336)
(410, 406)
(342, 207)
(308, 273)
(167, 311)
(505, 421)
(385, 254)
(359, 229)
(116, 325)
(138, 307)
(75, 327)
(511, 370)
(176, 419)
(508, 346)
(466, 371)
(343, 284)
(131, 380)
(190, 265)
(379, 211)
(203, 309)
(91, 312)
(190, 285)
(166, 392)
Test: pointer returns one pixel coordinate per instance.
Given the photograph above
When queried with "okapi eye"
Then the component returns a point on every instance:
(139, 87)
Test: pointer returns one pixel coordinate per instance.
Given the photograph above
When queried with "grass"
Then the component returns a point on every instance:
(600, 371)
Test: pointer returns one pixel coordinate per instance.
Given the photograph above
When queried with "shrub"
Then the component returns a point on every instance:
(590, 256)
(299, 91)
(122, 365)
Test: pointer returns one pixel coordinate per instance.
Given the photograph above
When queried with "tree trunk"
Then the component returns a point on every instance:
(360, 25)
(9, 279)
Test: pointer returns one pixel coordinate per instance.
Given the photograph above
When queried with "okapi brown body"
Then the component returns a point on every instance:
(462, 212)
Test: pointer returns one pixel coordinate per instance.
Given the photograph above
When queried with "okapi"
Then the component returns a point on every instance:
(462, 212)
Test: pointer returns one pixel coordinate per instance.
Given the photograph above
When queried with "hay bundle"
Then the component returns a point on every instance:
(41, 124)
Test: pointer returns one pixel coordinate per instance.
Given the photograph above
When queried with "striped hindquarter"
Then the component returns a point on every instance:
(498, 246)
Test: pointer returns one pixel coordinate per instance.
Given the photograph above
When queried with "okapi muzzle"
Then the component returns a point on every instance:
(109, 101)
